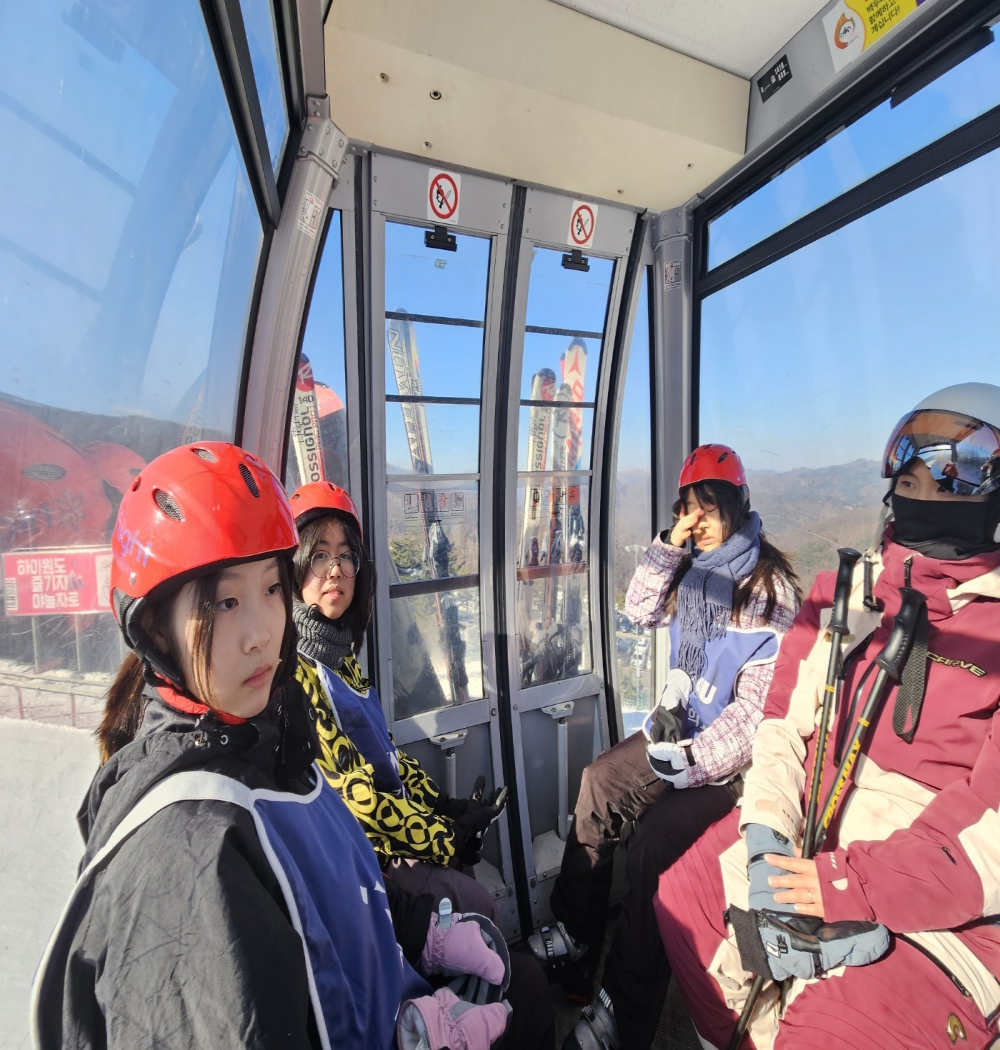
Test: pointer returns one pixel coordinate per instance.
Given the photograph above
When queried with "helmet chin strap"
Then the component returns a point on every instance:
(156, 666)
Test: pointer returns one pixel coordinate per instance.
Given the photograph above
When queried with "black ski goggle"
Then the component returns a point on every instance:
(961, 452)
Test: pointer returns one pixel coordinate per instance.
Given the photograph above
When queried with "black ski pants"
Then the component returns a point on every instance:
(619, 789)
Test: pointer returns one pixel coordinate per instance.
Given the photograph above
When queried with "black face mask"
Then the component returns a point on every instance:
(945, 529)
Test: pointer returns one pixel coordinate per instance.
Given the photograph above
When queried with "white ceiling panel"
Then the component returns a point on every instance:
(733, 35)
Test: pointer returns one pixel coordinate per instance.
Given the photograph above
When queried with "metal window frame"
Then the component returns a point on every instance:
(396, 200)
(227, 32)
(485, 212)
(946, 154)
(860, 89)
(640, 271)
(545, 222)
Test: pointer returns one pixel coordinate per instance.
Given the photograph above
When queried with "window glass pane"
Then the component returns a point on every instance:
(129, 244)
(633, 522)
(262, 40)
(433, 529)
(553, 591)
(123, 301)
(436, 651)
(428, 354)
(566, 433)
(319, 411)
(871, 144)
(435, 282)
(431, 439)
(808, 364)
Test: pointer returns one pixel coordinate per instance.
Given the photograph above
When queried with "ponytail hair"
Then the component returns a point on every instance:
(122, 708)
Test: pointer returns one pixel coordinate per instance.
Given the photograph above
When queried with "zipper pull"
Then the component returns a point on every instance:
(907, 568)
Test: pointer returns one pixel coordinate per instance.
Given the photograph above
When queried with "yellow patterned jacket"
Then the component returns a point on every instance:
(396, 826)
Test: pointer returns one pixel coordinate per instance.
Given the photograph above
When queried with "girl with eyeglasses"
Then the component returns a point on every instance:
(426, 842)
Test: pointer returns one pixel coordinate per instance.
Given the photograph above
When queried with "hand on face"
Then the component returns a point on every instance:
(681, 532)
(703, 524)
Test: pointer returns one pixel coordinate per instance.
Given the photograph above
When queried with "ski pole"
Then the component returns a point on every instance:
(890, 662)
(837, 629)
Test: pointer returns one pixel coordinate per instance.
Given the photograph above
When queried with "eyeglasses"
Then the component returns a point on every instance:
(322, 563)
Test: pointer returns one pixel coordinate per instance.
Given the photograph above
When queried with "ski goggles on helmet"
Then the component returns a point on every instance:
(961, 452)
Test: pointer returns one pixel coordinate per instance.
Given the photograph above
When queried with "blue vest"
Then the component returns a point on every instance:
(333, 892)
(341, 912)
(360, 717)
(725, 657)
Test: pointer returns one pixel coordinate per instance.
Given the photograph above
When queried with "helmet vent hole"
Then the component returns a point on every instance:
(249, 479)
(137, 483)
(167, 504)
(204, 454)
(44, 471)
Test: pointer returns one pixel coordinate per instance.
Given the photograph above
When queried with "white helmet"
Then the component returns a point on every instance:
(956, 432)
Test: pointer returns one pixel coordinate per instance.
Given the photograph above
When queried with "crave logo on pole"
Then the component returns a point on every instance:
(852, 26)
(443, 196)
(582, 225)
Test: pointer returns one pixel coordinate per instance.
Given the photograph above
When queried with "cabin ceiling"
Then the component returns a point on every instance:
(733, 35)
(534, 91)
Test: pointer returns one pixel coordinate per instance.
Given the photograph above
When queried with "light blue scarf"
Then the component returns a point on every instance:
(705, 595)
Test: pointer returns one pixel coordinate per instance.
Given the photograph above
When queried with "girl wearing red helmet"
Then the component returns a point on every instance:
(426, 842)
(726, 607)
(227, 898)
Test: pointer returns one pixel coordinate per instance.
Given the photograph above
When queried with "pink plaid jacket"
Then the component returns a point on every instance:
(725, 747)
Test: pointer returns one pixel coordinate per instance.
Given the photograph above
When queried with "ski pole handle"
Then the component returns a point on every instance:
(890, 662)
(842, 591)
(897, 648)
(837, 628)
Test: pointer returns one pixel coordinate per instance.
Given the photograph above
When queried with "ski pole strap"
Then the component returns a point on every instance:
(910, 695)
(753, 955)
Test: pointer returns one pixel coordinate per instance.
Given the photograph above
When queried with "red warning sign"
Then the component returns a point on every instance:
(443, 194)
(582, 225)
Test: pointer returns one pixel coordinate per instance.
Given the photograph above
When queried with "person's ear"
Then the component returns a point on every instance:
(155, 627)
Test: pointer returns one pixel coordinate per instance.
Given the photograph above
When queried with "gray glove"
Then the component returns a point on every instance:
(760, 840)
(805, 946)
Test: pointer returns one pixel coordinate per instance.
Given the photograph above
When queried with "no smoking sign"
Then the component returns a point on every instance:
(582, 225)
(443, 195)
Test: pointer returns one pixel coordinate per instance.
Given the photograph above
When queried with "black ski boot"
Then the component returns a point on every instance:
(569, 962)
(596, 1029)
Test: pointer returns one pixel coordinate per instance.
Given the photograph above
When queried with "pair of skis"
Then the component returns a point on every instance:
(402, 342)
(554, 536)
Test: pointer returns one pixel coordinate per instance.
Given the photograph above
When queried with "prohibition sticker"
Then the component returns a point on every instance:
(443, 190)
(310, 214)
(582, 225)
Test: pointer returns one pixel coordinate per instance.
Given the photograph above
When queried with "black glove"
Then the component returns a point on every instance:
(475, 814)
(472, 817)
(667, 726)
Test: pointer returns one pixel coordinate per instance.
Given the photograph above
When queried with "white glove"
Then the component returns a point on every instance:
(670, 762)
(677, 690)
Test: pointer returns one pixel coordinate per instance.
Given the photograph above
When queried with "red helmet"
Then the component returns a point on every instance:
(712, 463)
(317, 498)
(193, 510)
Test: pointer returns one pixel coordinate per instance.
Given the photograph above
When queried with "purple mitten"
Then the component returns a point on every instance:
(460, 949)
(442, 1020)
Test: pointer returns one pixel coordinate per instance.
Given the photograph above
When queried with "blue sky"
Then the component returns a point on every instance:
(808, 362)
